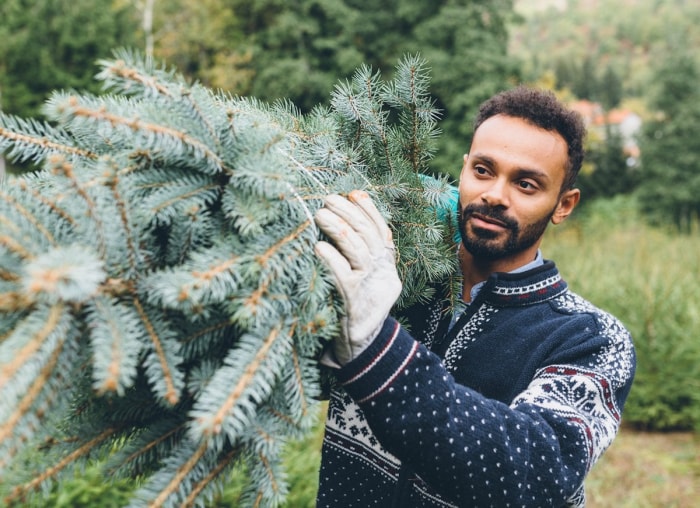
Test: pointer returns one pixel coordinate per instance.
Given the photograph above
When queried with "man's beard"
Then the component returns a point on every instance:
(483, 243)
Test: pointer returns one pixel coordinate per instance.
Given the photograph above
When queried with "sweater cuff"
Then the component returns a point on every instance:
(376, 367)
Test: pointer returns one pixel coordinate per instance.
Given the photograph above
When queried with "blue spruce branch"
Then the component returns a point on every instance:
(162, 307)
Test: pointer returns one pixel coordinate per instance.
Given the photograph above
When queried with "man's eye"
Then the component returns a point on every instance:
(480, 170)
(524, 184)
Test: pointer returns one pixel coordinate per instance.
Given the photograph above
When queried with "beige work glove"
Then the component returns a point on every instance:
(362, 261)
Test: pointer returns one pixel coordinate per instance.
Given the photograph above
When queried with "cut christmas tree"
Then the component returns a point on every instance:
(161, 307)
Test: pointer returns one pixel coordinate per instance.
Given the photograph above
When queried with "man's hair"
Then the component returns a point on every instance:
(542, 109)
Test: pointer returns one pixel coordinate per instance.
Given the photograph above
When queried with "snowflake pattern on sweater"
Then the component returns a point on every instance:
(510, 407)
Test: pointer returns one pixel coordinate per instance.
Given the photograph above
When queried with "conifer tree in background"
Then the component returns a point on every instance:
(161, 308)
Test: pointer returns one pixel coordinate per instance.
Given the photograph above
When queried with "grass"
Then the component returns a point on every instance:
(647, 470)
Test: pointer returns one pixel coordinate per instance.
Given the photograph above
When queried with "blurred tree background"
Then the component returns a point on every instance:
(54, 44)
(616, 61)
(635, 57)
(629, 57)
(269, 49)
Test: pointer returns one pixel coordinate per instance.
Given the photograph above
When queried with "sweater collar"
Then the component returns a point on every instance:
(538, 261)
(533, 285)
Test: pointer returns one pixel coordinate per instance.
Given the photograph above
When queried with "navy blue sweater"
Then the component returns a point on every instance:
(511, 407)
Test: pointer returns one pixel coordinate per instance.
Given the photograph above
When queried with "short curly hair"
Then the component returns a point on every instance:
(542, 109)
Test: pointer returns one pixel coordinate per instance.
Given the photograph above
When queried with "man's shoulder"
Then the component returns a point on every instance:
(570, 302)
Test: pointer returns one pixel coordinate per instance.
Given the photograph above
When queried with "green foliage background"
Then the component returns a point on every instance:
(631, 250)
(622, 54)
(638, 55)
(269, 49)
(52, 44)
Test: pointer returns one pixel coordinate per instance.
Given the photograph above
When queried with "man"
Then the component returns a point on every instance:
(506, 400)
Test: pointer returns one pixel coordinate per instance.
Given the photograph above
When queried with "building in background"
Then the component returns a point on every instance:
(624, 122)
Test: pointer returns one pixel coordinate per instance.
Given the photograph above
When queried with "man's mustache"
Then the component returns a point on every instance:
(489, 213)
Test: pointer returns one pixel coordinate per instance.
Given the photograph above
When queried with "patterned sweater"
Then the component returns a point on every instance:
(510, 407)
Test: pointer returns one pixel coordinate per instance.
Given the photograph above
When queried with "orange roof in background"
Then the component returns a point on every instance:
(587, 109)
(593, 113)
(616, 116)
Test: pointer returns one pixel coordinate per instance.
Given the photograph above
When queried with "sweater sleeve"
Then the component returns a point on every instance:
(476, 451)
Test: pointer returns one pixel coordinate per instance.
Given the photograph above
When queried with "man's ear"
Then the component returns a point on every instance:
(567, 203)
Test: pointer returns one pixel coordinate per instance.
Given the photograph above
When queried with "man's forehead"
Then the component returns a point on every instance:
(517, 141)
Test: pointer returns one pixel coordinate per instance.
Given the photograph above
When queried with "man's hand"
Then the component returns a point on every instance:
(364, 267)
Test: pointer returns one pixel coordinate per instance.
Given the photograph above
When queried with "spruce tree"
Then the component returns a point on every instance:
(162, 309)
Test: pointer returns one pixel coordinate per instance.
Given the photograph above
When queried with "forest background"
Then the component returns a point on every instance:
(632, 246)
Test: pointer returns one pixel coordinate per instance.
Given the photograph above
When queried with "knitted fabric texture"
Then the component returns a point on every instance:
(512, 407)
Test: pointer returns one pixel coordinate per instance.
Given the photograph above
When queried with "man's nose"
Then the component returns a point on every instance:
(496, 194)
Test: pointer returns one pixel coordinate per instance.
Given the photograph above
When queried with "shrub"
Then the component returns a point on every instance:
(647, 277)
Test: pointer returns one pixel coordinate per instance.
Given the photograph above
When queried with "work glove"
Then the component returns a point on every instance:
(363, 263)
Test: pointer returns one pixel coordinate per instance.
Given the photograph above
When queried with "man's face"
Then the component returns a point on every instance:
(510, 189)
